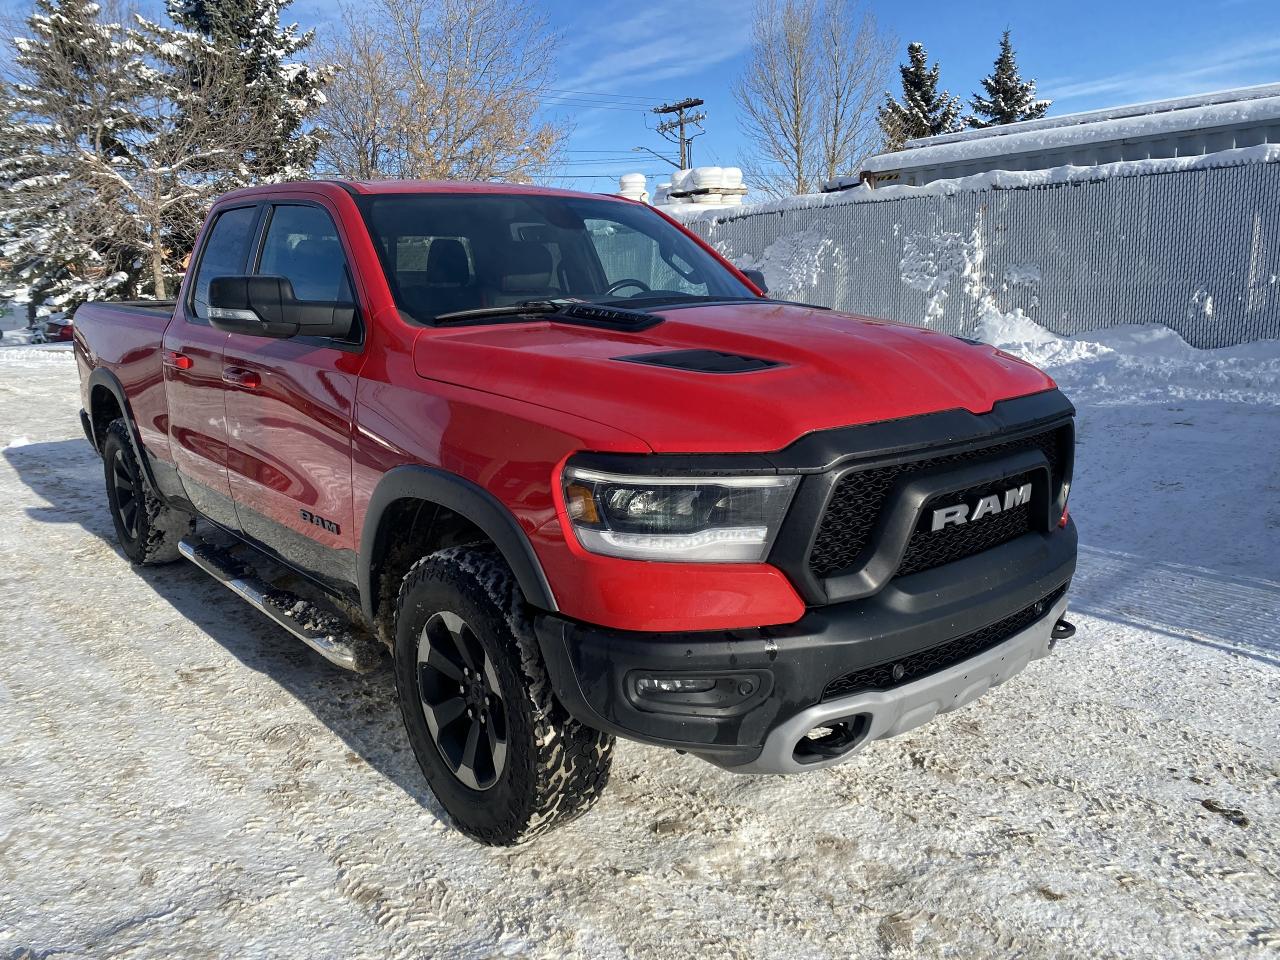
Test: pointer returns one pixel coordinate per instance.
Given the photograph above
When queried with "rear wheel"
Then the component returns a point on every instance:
(500, 753)
(147, 529)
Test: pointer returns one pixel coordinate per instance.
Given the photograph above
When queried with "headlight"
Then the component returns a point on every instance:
(708, 520)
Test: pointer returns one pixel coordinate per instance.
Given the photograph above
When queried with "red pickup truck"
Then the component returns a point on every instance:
(580, 478)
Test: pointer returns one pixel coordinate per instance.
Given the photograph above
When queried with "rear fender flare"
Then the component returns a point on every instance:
(468, 500)
(102, 377)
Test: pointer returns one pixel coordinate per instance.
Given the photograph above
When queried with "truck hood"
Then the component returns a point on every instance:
(832, 370)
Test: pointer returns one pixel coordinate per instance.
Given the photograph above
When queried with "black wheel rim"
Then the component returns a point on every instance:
(462, 701)
(128, 494)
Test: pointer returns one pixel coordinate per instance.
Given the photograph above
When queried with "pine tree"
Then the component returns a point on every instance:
(1009, 98)
(114, 141)
(922, 111)
(247, 37)
(64, 106)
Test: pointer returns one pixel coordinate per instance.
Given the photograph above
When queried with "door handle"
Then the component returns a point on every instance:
(240, 377)
(176, 360)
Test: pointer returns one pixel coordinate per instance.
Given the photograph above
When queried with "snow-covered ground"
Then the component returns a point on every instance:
(178, 778)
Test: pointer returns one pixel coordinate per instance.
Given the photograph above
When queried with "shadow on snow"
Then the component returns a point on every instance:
(361, 709)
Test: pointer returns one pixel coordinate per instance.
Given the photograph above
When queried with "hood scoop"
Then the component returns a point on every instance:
(702, 361)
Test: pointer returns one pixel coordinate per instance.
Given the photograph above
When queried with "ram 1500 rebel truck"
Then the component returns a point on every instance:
(581, 479)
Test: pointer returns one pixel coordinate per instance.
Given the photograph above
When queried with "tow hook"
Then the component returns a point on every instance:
(1062, 630)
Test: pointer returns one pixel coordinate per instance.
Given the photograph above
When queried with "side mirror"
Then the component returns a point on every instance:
(756, 277)
(266, 307)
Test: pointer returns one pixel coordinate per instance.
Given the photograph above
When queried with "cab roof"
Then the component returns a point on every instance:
(383, 187)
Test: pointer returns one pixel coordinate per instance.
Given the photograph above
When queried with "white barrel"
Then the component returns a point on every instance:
(708, 178)
(732, 177)
(632, 182)
(680, 181)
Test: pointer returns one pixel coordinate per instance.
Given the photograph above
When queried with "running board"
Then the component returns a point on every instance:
(325, 633)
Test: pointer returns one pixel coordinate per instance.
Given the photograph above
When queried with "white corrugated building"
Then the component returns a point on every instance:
(1186, 126)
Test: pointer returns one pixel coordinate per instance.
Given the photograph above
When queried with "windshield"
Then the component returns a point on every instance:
(444, 253)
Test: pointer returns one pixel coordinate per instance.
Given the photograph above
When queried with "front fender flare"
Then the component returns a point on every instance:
(468, 500)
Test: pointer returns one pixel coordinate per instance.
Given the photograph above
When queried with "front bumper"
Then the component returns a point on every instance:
(782, 673)
(880, 714)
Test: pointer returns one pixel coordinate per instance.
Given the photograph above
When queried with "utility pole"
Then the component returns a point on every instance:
(682, 120)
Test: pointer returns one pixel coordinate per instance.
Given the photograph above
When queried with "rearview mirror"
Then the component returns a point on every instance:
(266, 307)
(756, 277)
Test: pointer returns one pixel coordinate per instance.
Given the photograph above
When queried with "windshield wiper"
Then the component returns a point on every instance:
(590, 314)
(510, 310)
(675, 298)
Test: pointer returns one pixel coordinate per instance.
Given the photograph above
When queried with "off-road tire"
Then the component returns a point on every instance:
(555, 768)
(148, 530)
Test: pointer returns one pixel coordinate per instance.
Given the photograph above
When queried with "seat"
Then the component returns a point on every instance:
(525, 274)
(447, 263)
(446, 285)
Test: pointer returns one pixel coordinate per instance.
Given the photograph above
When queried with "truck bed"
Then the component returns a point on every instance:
(124, 338)
(157, 308)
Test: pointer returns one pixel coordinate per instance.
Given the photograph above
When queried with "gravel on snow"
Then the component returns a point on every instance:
(178, 777)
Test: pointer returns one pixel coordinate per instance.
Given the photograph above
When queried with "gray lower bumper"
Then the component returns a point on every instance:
(891, 712)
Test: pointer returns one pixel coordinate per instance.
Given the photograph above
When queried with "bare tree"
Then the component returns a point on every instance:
(154, 188)
(856, 64)
(778, 96)
(443, 90)
(363, 106)
(807, 97)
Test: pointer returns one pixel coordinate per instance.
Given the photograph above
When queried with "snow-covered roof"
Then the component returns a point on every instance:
(840, 191)
(1147, 108)
(1251, 105)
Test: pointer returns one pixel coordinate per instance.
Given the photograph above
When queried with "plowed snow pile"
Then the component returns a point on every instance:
(179, 778)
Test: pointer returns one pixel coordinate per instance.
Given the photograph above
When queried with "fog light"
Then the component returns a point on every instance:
(656, 686)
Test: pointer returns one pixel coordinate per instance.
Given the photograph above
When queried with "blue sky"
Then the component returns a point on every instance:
(622, 57)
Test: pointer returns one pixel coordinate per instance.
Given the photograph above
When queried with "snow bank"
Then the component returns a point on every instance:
(1142, 361)
(15, 351)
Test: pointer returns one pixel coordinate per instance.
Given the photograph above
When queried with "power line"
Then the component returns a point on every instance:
(589, 93)
(619, 157)
(656, 154)
(591, 106)
(593, 176)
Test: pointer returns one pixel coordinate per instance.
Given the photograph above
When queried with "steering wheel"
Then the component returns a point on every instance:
(622, 284)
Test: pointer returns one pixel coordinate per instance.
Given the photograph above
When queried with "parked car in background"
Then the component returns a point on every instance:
(56, 329)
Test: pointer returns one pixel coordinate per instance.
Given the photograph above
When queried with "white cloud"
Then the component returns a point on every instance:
(1222, 67)
(666, 41)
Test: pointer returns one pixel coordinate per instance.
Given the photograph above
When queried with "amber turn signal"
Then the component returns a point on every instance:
(581, 503)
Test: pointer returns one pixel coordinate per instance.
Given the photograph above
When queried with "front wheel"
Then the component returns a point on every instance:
(500, 753)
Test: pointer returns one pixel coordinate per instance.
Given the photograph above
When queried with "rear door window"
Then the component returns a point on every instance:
(225, 251)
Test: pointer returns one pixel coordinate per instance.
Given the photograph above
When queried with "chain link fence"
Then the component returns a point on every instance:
(1196, 250)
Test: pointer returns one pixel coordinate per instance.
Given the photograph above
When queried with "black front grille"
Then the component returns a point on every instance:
(929, 548)
(887, 675)
(859, 499)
